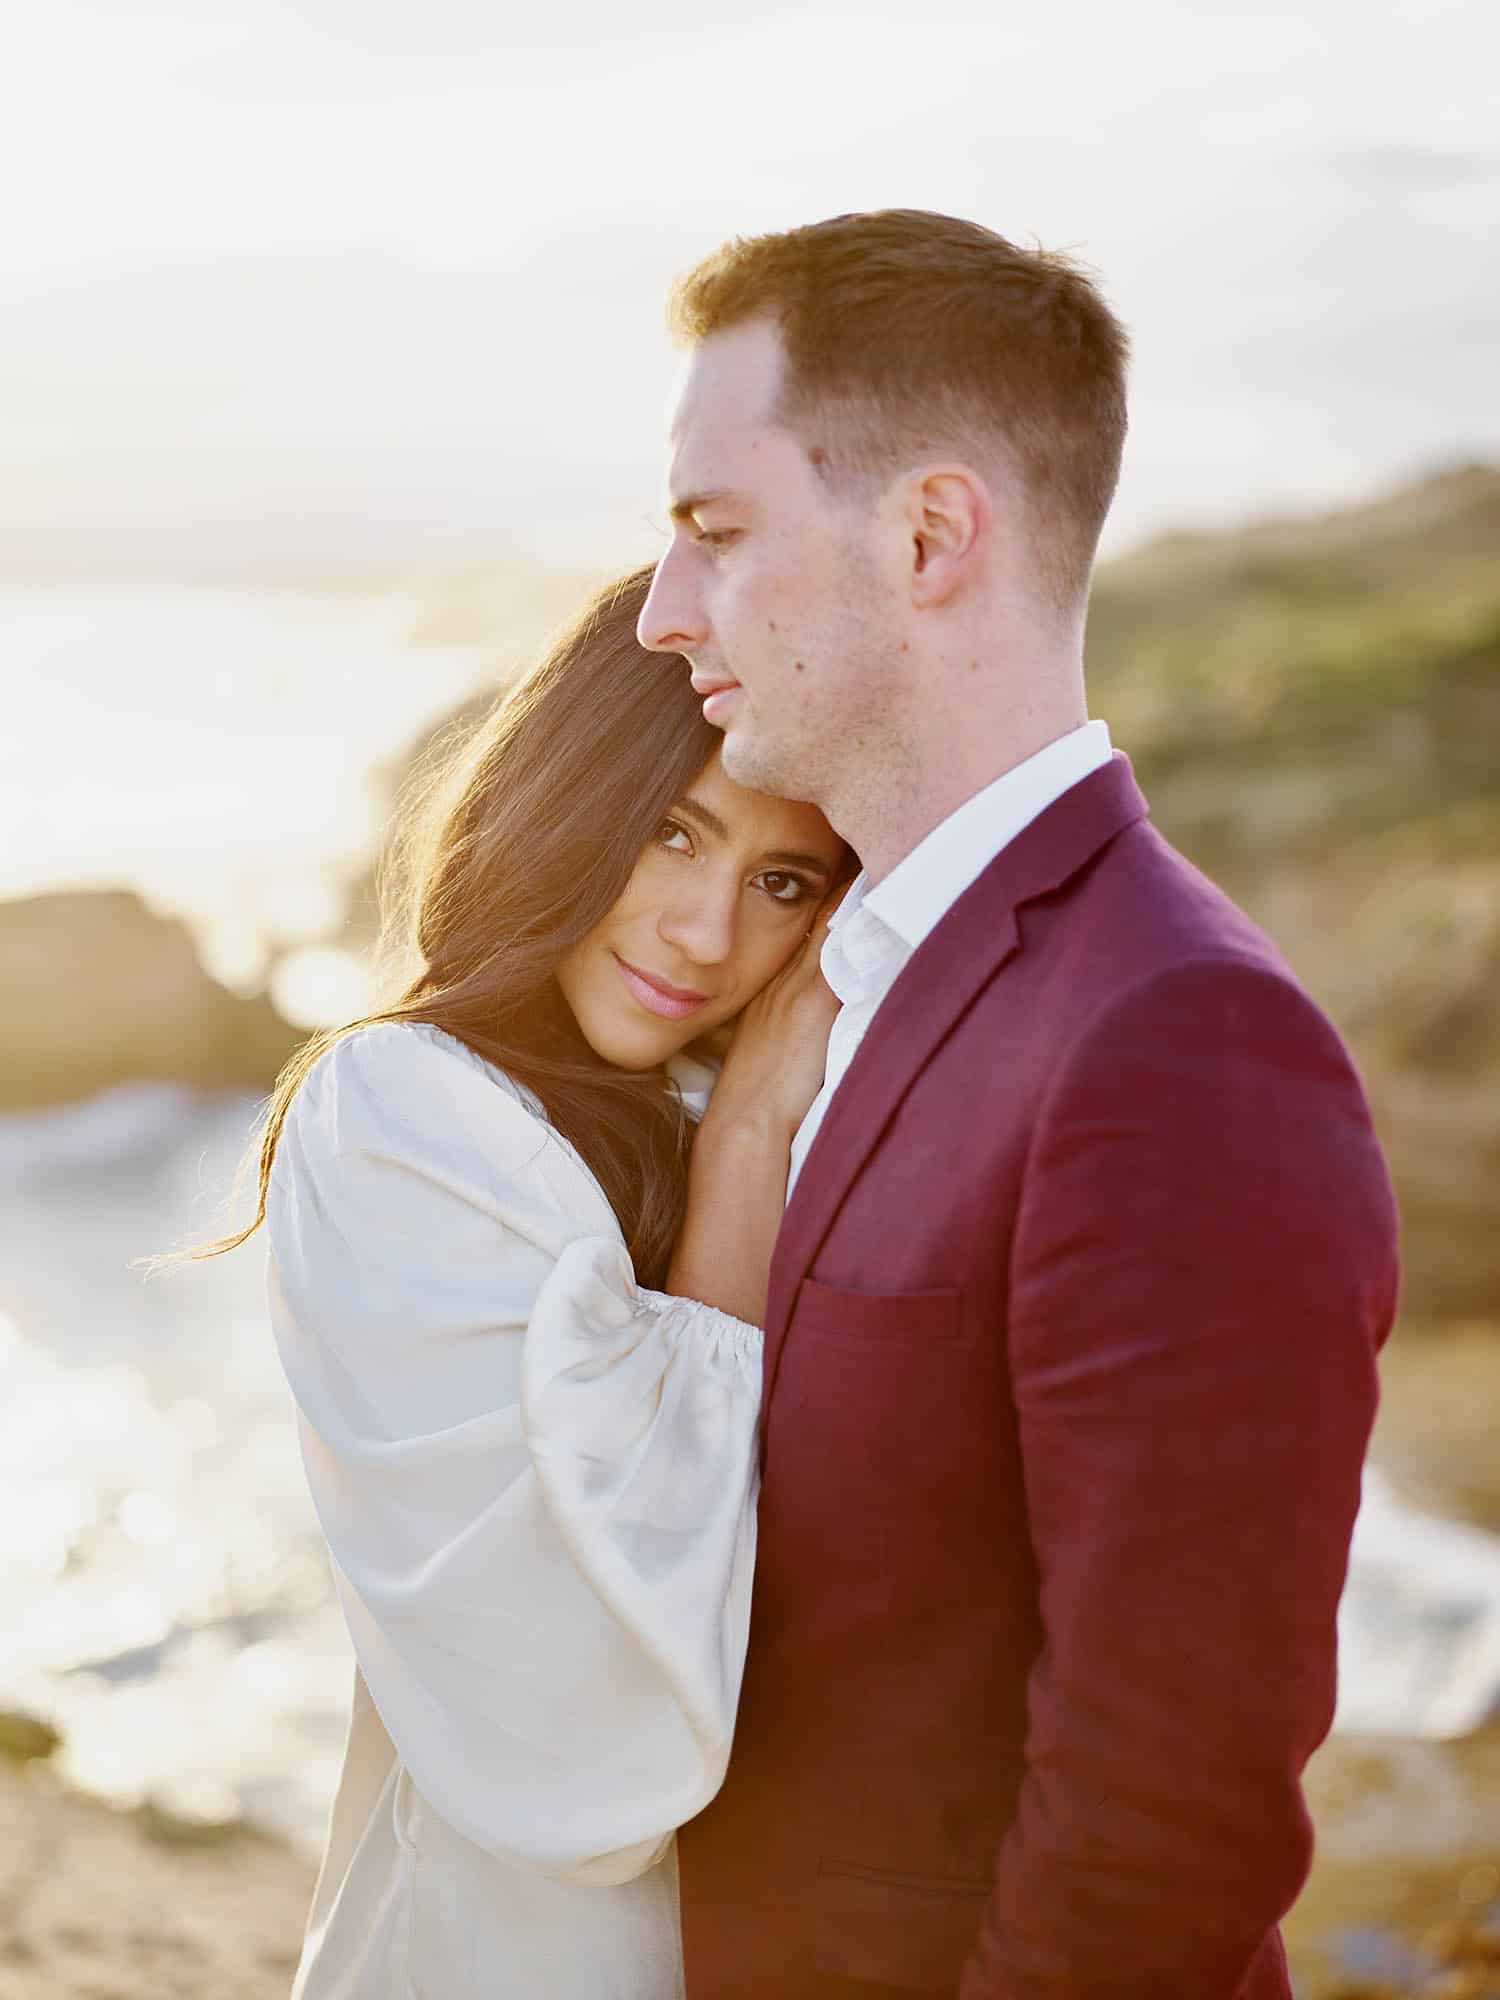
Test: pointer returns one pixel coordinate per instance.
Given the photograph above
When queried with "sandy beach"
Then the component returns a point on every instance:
(97, 1904)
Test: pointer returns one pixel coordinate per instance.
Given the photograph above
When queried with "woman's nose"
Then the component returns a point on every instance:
(699, 923)
(671, 620)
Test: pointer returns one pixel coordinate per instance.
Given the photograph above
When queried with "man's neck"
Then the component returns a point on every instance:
(886, 820)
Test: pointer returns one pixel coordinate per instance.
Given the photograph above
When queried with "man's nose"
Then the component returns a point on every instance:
(671, 620)
(699, 922)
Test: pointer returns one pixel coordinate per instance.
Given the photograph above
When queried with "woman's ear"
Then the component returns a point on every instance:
(949, 513)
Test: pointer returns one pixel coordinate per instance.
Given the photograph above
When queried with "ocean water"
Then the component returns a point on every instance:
(164, 1594)
(164, 1597)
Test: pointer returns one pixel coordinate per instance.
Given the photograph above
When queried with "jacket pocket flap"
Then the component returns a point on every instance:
(909, 1931)
(831, 1314)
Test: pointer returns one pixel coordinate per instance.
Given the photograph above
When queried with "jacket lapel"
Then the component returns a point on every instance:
(944, 975)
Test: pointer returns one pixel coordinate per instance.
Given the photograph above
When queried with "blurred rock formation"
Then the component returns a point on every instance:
(96, 990)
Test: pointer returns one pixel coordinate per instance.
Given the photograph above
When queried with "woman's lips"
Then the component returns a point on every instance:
(669, 1003)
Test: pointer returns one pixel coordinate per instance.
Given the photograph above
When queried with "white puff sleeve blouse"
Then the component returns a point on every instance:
(537, 1484)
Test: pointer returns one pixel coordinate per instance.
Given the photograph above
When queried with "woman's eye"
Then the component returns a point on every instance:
(784, 888)
(717, 539)
(672, 834)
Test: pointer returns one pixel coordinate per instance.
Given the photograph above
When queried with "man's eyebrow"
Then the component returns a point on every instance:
(786, 857)
(685, 508)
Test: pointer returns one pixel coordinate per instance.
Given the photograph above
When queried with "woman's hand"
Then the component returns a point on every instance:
(737, 1179)
(774, 1068)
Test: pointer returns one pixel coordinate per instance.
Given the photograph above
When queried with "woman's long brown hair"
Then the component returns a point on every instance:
(522, 841)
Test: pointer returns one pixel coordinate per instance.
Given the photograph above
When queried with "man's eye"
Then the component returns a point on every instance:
(673, 834)
(784, 888)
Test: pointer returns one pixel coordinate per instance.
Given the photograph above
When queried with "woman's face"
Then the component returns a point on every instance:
(717, 904)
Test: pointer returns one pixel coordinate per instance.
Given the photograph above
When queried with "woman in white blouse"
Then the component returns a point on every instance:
(537, 1474)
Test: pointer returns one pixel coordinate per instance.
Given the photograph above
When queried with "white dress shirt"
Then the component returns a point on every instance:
(875, 930)
(537, 1482)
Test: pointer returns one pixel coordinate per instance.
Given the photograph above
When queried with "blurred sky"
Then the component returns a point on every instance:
(353, 280)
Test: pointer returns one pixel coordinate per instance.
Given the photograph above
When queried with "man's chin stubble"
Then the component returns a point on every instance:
(761, 770)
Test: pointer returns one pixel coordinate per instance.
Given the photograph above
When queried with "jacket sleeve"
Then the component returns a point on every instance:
(536, 1480)
(1203, 1270)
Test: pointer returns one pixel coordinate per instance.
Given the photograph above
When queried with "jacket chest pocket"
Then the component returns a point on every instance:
(877, 1441)
(876, 1319)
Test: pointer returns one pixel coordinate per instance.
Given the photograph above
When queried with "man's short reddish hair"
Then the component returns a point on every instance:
(908, 334)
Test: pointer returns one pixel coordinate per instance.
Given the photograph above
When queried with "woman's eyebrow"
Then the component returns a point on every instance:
(790, 857)
(706, 817)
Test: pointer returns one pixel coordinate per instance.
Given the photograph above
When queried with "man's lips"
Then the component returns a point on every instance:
(715, 690)
(659, 996)
(704, 681)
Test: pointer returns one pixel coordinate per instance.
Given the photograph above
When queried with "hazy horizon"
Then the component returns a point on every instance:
(352, 286)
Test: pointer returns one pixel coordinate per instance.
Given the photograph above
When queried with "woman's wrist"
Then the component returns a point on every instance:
(736, 1123)
(736, 1192)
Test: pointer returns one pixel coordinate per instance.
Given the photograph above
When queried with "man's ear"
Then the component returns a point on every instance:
(948, 514)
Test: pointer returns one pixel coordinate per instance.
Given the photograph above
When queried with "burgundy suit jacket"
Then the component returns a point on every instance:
(1070, 1371)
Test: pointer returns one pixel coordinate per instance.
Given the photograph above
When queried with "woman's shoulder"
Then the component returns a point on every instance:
(392, 1084)
(386, 1049)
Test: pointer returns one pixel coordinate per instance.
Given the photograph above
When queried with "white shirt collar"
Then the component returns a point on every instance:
(920, 890)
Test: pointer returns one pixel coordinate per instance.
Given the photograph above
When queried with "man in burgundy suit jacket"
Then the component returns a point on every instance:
(1071, 1337)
